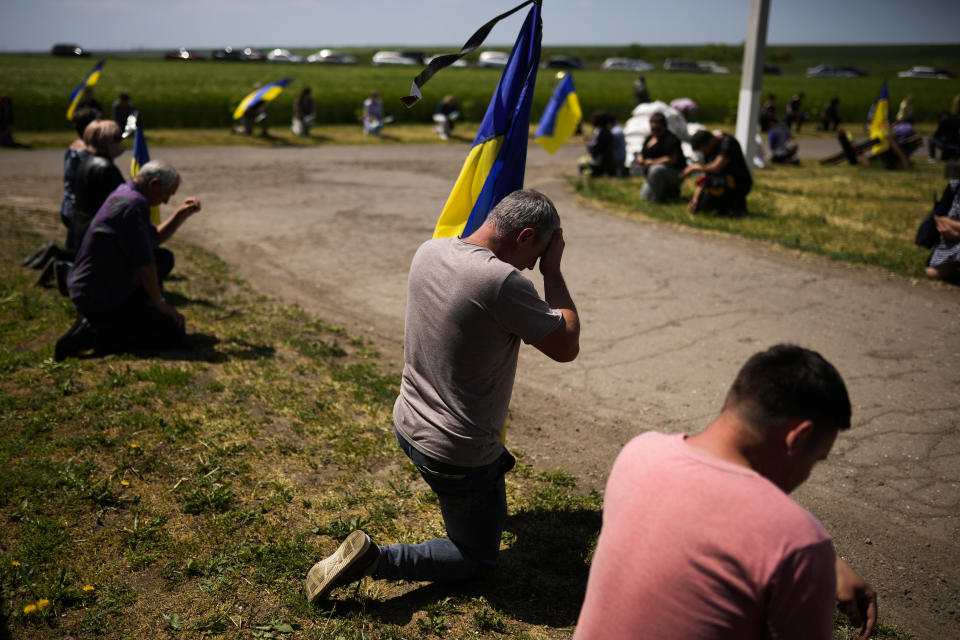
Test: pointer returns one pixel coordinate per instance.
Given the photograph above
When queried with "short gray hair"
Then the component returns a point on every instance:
(522, 209)
(158, 170)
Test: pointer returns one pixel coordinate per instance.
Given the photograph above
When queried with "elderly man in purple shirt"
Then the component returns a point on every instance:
(115, 280)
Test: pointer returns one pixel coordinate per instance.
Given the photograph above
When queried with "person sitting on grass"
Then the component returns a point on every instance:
(662, 160)
(783, 146)
(726, 179)
(115, 283)
(944, 263)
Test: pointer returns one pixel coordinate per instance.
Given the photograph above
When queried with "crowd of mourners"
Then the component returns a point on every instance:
(700, 538)
(673, 149)
(111, 264)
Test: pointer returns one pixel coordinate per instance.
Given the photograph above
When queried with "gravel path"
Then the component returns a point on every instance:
(669, 315)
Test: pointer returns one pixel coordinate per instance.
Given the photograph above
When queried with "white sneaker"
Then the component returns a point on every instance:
(355, 558)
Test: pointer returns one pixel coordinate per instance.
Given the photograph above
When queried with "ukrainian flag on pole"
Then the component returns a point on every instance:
(141, 156)
(495, 165)
(266, 93)
(77, 94)
(561, 117)
(880, 126)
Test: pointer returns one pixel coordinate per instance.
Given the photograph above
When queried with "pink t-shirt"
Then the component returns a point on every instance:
(696, 548)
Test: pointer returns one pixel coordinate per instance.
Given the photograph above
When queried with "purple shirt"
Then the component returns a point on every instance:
(120, 239)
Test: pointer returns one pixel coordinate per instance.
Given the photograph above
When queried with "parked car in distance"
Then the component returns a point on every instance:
(563, 62)
(69, 50)
(925, 72)
(237, 55)
(709, 66)
(460, 64)
(626, 64)
(493, 59)
(398, 58)
(283, 55)
(182, 54)
(833, 71)
(329, 56)
(683, 65)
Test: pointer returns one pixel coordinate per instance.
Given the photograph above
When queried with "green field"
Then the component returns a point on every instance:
(172, 94)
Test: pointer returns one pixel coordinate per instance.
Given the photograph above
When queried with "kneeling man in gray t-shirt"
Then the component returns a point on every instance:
(468, 308)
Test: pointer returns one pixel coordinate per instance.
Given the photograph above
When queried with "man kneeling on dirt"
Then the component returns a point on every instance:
(116, 277)
(468, 308)
(726, 179)
(700, 540)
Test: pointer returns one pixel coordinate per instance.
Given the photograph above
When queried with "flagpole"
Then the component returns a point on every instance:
(751, 80)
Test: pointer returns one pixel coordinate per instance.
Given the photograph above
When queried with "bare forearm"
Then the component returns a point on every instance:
(558, 296)
(168, 227)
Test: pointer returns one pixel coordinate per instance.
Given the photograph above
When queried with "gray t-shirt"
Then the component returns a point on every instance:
(467, 311)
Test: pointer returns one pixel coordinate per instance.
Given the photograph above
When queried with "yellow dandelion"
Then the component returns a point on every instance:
(30, 608)
(15, 563)
(125, 483)
(134, 445)
(43, 603)
(88, 587)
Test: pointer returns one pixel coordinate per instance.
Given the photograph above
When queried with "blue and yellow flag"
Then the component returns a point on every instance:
(561, 117)
(77, 94)
(495, 166)
(141, 156)
(880, 126)
(266, 93)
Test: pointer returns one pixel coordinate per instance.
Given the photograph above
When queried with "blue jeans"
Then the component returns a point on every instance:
(473, 502)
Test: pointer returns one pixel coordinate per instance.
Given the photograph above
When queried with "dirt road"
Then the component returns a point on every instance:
(668, 316)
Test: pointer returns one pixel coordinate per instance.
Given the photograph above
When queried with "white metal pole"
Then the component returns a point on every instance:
(751, 80)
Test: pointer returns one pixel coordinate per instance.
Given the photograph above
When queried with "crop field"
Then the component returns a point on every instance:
(176, 94)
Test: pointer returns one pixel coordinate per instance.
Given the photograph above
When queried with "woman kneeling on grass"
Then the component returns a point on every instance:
(944, 263)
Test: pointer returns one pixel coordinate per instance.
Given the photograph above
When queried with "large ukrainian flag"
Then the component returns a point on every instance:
(561, 117)
(92, 78)
(880, 126)
(266, 93)
(495, 165)
(141, 156)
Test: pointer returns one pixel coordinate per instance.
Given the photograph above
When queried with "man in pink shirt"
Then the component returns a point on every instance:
(700, 540)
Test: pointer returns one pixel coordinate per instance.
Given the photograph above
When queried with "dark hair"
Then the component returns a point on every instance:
(787, 382)
(700, 138)
(600, 118)
(659, 117)
(84, 116)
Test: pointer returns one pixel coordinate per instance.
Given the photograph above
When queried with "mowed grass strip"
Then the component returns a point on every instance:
(857, 214)
(186, 494)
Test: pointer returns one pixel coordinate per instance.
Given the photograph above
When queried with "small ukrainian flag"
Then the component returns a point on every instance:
(77, 94)
(560, 118)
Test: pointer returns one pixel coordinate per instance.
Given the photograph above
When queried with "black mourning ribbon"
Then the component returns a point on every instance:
(441, 62)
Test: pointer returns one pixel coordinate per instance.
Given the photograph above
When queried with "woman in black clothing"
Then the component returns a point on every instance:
(96, 177)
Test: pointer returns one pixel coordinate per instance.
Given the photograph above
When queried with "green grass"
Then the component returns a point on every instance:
(203, 94)
(187, 493)
(862, 215)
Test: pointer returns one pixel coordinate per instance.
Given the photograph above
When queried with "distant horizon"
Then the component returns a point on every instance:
(121, 25)
(454, 48)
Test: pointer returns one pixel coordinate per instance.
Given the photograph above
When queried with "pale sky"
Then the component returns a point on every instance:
(35, 25)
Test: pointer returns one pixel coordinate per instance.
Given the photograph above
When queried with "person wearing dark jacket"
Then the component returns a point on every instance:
(603, 161)
(96, 177)
(116, 281)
